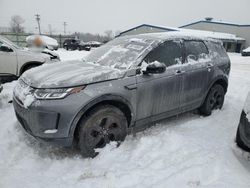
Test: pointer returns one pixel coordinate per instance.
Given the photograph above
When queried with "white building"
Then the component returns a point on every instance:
(242, 31)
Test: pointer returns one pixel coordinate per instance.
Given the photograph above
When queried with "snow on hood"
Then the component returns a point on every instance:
(68, 74)
(247, 49)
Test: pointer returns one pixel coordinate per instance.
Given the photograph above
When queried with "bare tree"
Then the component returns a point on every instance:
(109, 34)
(16, 24)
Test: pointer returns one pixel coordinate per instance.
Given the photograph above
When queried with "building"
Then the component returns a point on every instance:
(232, 41)
(241, 31)
(146, 28)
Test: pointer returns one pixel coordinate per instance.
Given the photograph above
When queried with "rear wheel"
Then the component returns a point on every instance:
(99, 127)
(214, 100)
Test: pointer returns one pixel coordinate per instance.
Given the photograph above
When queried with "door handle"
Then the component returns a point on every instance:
(210, 65)
(131, 87)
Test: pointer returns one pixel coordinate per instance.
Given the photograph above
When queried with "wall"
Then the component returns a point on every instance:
(20, 38)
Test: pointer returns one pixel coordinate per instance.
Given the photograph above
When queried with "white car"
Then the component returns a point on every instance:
(15, 60)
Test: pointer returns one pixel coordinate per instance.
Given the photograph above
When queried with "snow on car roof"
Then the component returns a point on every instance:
(46, 40)
(194, 34)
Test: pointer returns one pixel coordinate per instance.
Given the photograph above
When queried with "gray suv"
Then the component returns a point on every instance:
(124, 85)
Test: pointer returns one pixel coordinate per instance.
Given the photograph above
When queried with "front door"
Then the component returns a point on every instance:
(8, 61)
(158, 94)
(195, 77)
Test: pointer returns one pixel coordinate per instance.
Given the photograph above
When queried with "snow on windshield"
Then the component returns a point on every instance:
(120, 53)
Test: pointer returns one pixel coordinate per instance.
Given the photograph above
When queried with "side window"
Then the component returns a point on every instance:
(195, 49)
(169, 53)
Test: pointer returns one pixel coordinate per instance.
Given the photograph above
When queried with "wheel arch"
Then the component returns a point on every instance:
(114, 100)
(222, 80)
(25, 65)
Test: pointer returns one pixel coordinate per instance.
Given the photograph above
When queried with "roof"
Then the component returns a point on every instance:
(163, 36)
(200, 33)
(148, 25)
(217, 22)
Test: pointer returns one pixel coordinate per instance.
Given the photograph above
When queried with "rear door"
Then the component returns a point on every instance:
(8, 61)
(160, 93)
(196, 69)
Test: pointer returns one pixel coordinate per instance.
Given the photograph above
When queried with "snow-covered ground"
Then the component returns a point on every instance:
(188, 151)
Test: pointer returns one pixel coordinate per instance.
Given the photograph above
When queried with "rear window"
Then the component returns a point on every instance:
(217, 49)
(195, 49)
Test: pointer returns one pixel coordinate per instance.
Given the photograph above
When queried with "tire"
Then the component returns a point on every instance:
(100, 126)
(240, 143)
(214, 100)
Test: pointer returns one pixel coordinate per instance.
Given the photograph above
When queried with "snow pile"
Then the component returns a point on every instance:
(71, 55)
(184, 151)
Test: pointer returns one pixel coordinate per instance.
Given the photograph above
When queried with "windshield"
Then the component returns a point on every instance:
(7, 41)
(120, 53)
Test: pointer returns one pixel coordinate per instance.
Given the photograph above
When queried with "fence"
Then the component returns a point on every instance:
(20, 38)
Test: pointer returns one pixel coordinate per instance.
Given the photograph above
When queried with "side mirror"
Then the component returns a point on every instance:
(155, 68)
(5, 48)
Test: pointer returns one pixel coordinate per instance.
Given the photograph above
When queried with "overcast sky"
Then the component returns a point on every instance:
(96, 16)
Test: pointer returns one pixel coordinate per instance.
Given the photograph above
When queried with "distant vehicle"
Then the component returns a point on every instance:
(94, 44)
(246, 52)
(1, 88)
(42, 41)
(124, 85)
(75, 44)
(243, 131)
(15, 60)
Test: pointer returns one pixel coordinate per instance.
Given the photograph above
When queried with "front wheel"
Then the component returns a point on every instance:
(99, 127)
(213, 101)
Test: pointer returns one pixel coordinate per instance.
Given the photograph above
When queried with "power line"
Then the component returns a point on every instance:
(38, 22)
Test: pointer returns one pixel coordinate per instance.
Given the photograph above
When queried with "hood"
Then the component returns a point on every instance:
(68, 74)
(33, 53)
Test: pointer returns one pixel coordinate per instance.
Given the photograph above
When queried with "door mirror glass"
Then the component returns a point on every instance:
(155, 68)
(5, 48)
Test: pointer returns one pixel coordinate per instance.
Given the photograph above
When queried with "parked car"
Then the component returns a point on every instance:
(15, 60)
(94, 44)
(243, 131)
(122, 86)
(1, 88)
(74, 44)
(246, 52)
(42, 41)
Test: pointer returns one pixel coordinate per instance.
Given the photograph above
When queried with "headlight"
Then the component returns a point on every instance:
(56, 93)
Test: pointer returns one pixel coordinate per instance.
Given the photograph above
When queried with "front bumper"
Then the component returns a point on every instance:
(44, 125)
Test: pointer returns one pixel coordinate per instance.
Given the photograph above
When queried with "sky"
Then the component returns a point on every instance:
(97, 16)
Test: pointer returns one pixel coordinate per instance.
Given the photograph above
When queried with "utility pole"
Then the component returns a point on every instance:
(38, 22)
(64, 27)
(50, 29)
